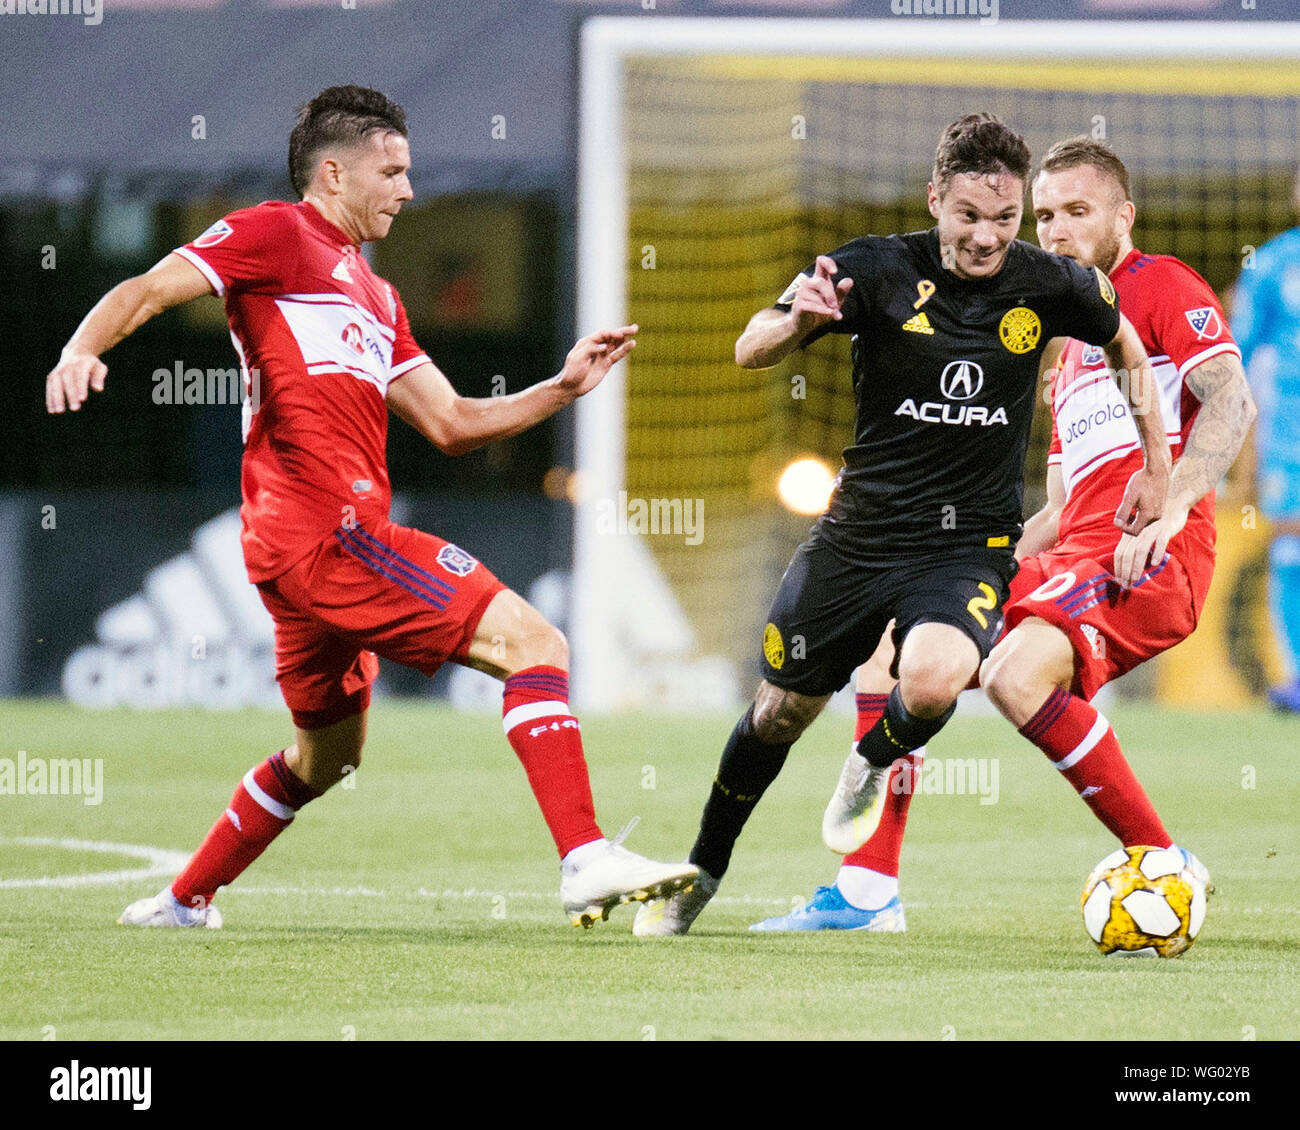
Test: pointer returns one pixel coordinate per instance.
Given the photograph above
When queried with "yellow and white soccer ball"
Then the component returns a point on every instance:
(1143, 902)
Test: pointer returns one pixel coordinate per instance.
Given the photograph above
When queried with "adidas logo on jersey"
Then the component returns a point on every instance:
(341, 272)
(918, 324)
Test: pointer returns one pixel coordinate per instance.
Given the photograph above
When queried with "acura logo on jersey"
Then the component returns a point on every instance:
(353, 338)
(932, 412)
(960, 380)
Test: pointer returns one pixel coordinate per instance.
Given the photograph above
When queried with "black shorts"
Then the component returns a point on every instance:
(829, 614)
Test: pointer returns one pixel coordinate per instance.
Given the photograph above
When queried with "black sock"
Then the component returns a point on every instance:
(898, 732)
(747, 767)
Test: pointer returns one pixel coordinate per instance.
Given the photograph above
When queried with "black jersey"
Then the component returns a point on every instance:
(945, 371)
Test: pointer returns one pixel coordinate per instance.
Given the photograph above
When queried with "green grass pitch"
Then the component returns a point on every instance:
(421, 904)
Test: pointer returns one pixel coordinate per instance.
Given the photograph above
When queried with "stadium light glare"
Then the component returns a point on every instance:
(805, 485)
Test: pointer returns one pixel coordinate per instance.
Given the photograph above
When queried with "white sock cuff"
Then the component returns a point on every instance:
(864, 888)
(531, 711)
(274, 807)
(1085, 747)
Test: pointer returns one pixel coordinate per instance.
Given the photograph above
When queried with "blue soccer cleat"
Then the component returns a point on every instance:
(828, 910)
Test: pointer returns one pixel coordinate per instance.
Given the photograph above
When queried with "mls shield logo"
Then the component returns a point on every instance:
(1092, 355)
(456, 560)
(961, 380)
(215, 234)
(1205, 321)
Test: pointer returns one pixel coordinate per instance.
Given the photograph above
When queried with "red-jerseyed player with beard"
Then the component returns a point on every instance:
(332, 351)
(1086, 606)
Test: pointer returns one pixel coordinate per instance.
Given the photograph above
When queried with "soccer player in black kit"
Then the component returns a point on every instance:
(948, 327)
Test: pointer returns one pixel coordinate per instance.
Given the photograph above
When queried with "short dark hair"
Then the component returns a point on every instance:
(979, 145)
(339, 115)
(1084, 150)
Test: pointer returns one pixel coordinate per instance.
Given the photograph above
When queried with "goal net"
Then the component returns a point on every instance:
(719, 156)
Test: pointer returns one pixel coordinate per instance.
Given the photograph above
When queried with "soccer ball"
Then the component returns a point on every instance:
(1143, 902)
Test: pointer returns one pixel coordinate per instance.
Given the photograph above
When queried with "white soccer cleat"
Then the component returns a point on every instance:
(671, 917)
(617, 876)
(162, 909)
(854, 811)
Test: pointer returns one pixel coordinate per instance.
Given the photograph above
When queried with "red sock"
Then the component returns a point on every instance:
(881, 852)
(1083, 747)
(262, 808)
(545, 736)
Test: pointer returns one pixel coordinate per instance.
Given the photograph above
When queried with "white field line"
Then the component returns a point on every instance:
(166, 862)
(159, 862)
(163, 862)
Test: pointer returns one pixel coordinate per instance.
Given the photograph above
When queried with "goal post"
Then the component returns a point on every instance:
(716, 156)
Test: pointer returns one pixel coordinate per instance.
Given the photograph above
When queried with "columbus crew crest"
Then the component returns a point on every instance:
(1020, 329)
(773, 647)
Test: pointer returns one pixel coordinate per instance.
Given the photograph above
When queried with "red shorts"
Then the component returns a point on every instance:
(383, 588)
(1111, 631)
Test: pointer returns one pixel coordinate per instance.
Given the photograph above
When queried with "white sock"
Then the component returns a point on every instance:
(583, 854)
(864, 888)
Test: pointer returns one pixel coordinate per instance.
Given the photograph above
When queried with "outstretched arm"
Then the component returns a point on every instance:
(1220, 429)
(456, 424)
(772, 335)
(117, 315)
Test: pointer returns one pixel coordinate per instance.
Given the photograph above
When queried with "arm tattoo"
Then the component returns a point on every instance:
(1227, 410)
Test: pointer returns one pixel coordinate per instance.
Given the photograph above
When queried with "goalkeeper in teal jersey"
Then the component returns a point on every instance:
(1266, 324)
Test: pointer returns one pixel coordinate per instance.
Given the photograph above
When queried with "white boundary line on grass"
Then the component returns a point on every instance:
(160, 861)
(165, 862)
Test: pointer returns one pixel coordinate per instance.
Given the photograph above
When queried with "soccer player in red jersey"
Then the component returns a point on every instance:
(327, 352)
(1086, 606)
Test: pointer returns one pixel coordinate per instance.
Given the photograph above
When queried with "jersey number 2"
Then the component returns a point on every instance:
(978, 605)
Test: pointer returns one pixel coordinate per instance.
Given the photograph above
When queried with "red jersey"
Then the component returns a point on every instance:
(320, 337)
(1094, 439)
